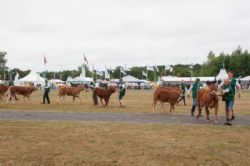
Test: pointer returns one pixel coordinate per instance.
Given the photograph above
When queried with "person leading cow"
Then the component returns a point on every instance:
(195, 87)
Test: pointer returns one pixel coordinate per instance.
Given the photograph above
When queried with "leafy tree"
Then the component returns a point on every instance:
(3, 62)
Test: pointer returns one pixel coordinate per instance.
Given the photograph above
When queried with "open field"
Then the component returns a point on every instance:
(78, 143)
(136, 101)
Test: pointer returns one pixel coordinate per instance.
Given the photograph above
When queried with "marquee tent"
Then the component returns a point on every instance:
(32, 77)
(222, 75)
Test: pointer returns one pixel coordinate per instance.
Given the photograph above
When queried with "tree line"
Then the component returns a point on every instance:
(238, 61)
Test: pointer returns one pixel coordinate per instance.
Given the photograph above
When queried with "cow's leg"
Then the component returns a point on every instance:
(58, 98)
(199, 109)
(74, 99)
(207, 112)
(79, 97)
(154, 104)
(171, 107)
(162, 104)
(28, 99)
(101, 102)
(106, 102)
(216, 114)
(12, 99)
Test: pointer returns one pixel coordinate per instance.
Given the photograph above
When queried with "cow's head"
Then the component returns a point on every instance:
(81, 87)
(112, 89)
(213, 86)
(33, 88)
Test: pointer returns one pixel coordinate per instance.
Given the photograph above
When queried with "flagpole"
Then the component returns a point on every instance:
(120, 72)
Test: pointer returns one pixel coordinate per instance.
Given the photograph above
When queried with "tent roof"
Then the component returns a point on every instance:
(56, 81)
(81, 79)
(130, 78)
(32, 77)
(247, 78)
(222, 74)
(191, 79)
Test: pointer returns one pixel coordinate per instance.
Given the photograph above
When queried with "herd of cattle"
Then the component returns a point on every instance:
(207, 97)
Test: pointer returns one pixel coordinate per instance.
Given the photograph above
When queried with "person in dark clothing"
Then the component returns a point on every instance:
(46, 92)
(195, 87)
(184, 89)
(94, 97)
(122, 92)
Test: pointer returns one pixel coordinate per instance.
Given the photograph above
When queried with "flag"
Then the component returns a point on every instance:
(83, 71)
(107, 76)
(150, 68)
(122, 71)
(110, 69)
(85, 59)
(144, 74)
(167, 67)
(100, 73)
(44, 60)
(156, 68)
(126, 68)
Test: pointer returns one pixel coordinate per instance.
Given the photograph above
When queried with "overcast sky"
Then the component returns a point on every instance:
(118, 32)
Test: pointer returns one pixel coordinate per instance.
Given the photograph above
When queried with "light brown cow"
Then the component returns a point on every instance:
(166, 94)
(70, 91)
(104, 94)
(3, 90)
(208, 98)
(19, 90)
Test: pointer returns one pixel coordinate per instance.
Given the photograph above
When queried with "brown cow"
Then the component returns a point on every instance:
(70, 91)
(19, 90)
(3, 90)
(208, 98)
(104, 94)
(166, 94)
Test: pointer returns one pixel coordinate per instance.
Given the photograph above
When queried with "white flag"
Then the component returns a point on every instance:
(156, 68)
(126, 68)
(144, 74)
(107, 76)
(167, 67)
(122, 71)
(111, 69)
(150, 68)
(100, 73)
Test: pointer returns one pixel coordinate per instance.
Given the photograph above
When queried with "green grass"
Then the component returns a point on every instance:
(78, 143)
(136, 101)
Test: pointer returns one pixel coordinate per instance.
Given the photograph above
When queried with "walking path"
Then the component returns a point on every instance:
(178, 119)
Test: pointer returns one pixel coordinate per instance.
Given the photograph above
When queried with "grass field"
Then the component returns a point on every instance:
(136, 101)
(79, 143)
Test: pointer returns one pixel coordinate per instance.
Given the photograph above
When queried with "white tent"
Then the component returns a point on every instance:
(186, 79)
(80, 80)
(32, 77)
(55, 81)
(247, 78)
(130, 78)
(222, 74)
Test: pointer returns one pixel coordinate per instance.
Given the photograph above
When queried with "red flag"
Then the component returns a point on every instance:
(85, 59)
(44, 60)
